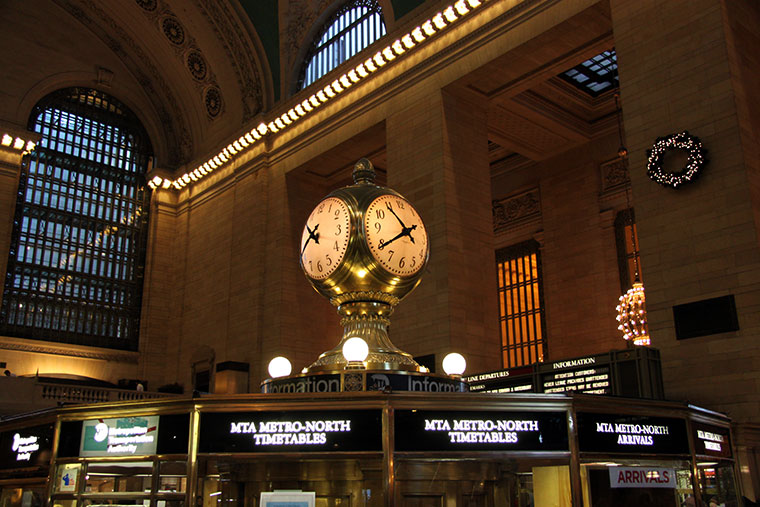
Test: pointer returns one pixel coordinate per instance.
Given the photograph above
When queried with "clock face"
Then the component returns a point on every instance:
(396, 235)
(325, 238)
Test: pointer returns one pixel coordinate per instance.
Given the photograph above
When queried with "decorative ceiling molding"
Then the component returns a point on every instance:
(66, 350)
(243, 57)
(170, 114)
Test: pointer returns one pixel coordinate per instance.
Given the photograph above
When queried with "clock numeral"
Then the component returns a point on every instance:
(319, 266)
(329, 260)
(329, 208)
(337, 232)
(378, 226)
(401, 262)
(337, 213)
(336, 247)
(321, 207)
(414, 262)
(380, 214)
(390, 255)
(400, 204)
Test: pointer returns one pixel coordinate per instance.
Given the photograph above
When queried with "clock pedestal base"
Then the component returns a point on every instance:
(369, 321)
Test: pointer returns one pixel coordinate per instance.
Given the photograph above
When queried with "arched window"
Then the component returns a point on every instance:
(352, 28)
(77, 255)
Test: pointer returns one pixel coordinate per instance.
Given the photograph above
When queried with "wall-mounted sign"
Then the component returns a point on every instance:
(27, 447)
(432, 430)
(610, 433)
(322, 383)
(410, 382)
(296, 431)
(642, 477)
(68, 476)
(711, 440)
(124, 436)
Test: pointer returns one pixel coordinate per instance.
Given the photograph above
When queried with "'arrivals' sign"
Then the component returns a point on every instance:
(631, 434)
(642, 477)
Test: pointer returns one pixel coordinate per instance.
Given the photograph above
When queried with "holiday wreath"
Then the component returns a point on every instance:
(683, 141)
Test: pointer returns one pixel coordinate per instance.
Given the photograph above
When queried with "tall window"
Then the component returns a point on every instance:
(75, 269)
(521, 314)
(627, 250)
(355, 26)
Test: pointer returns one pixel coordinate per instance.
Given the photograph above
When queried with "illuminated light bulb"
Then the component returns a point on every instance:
(378, 59)
(345, 81)
(262, 128)
(398, 48)
(278, 122)
(461, 7)
(30, 146)
(185, 178)
(225, 152)
(417, 34)
(7, 140)
(177, 185)
(272, 127)
(353, 77)
(299, 110)
(156, 180)
(151, 185)
(454, 364)
(329, 91)
(256, 134)
(237, 146)
(474, 3)
(427, 27)
(279, 367)
(232, 149)
(202, 171)
(439, 22)
(321, 96)
(193, 176)
(337, 86)
(249, 139)
(389, 54)
(306, 106)
(369, 64)
(450, 15)
(223, 157)
(408, 42)
(18, 143)
(286, 119)
(166, 183)
(314, 101)
(293, 115)
(355, 350)
(213, 163)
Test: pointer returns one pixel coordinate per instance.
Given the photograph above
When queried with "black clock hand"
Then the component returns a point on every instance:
(406, 231)
(313, 234)
(390, 208)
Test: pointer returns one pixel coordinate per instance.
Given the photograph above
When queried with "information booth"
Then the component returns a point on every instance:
(383, 449)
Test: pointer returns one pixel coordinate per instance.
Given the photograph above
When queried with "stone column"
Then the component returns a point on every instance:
(437, 149)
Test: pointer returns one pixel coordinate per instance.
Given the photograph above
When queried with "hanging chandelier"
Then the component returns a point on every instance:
(632, 315)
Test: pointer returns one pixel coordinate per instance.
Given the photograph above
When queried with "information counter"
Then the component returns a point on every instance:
(383, 449)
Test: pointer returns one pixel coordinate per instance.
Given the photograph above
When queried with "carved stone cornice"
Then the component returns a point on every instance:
(170, 113)
(515, 210)
(72, 351)
(238, 47)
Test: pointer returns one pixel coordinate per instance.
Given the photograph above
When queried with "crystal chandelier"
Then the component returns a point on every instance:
(632, 315)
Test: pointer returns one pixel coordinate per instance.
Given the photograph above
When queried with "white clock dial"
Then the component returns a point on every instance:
(396, 235)
(325, 238)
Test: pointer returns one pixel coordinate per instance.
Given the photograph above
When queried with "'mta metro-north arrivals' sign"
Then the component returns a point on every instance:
(296, 431)
(612, 433)
(125, 436)
(435, 430)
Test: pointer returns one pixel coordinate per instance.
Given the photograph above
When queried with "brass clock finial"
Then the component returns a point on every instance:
(364, 172)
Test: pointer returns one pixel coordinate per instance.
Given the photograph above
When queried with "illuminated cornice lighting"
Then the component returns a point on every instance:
(400, 48)
(17, 144)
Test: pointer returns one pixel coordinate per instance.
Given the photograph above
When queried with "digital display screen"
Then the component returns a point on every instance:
(436, 430)
(292, 431)
(612, 433)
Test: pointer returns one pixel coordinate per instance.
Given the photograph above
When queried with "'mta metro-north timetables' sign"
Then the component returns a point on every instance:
(432, 430)
(611, 433)
(125, 436)
(294, 431)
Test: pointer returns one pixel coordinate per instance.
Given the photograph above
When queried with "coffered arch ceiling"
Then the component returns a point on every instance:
(198, 62)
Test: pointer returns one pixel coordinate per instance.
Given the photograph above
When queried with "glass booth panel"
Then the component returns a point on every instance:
(637, 483)
(336, 482)
(482, 483)
(27, 496)
(119, 477)
(172, 477)
(717, 484)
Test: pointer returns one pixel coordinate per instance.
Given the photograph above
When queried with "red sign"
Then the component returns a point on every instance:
(642, 477)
